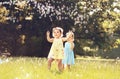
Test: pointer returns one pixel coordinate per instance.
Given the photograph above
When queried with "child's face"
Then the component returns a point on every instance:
(57, 33)
(70, 37)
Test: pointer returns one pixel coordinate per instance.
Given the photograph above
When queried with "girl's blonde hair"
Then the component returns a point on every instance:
(70, 33)
(57, 28)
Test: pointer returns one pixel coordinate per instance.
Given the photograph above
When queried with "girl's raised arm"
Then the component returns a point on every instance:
(48, 37)
(64, 39)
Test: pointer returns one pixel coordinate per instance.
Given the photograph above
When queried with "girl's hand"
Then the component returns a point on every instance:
(48, 37)
(48, 33)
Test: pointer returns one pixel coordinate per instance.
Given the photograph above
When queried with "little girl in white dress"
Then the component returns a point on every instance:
(56, 51)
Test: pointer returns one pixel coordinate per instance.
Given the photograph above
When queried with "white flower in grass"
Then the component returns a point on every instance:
(27, 74)
(1, 61)
(99, 67)
(77, 75)
(16, 78)
(21, 68)
(6, 60)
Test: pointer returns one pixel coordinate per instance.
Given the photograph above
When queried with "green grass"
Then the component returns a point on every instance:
(36, 68)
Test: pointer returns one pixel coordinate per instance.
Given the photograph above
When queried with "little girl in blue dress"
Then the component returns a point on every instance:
(68, 51)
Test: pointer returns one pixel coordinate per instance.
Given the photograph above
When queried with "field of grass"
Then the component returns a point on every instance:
(36, 68)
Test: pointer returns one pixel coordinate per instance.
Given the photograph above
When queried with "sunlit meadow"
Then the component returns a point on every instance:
(36, 68)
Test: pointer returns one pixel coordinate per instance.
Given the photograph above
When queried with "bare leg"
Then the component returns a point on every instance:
(68, 66)
(60, 64)
(63, 66)
(50, 60)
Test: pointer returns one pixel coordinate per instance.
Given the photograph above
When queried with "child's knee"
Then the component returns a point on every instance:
(50, 60)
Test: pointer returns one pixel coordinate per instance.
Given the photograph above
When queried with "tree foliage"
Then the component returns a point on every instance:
(101, 25)
(96, 23)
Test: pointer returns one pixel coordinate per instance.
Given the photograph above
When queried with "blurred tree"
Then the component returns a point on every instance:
(3, 14)
(100, 24)
(96, 23)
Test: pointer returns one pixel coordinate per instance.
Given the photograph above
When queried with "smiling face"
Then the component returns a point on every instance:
(56, 33)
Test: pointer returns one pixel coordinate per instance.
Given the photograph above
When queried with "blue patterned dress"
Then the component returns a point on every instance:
(68, 54)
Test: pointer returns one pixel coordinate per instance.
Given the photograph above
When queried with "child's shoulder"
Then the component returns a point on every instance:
(67, 42)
